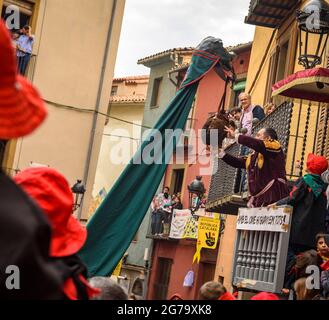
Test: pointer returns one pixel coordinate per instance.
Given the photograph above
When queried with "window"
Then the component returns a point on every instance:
(237, 90)
(271, 77)
(26, 8)
(177, 180)
(282, 63)
(162, 279)
(156, 92)
(189, 121)
(114, 90)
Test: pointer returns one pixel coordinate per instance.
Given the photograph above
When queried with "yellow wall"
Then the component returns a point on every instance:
(70, 47)
(107, 169)
(225, 253)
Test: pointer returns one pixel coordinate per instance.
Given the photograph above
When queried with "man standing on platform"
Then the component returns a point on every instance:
(265, 166)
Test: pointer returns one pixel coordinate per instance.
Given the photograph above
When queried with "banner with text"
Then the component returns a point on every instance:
(208, 232)
(275, 219)
(178, 223)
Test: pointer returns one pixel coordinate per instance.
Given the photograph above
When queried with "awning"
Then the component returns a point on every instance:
(240, 86)
(310, 84)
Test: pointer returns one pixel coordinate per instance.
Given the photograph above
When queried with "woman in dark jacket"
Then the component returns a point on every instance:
(309, 201)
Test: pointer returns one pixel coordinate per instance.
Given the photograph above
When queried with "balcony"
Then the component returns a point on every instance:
(228, 189)
(269, 13)
(29, 73)
(185, 226)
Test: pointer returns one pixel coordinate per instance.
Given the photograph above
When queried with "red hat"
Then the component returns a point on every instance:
(265, 296)
(316, 164)
(21, 107)
(227, 296)
(51, 191)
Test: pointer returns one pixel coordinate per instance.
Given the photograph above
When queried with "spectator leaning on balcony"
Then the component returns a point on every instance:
(163, 201)
(265, 166)
(249, 112)
(24, 49)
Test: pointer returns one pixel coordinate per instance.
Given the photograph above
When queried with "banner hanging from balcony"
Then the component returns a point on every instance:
(310, 84)
(208, 232)
(114, 224)
(179, 222)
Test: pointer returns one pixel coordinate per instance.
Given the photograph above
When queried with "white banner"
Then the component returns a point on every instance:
(264, 219)
(203, 213)
(178, 223)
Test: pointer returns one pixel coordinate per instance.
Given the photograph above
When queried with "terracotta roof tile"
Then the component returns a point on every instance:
(128, 99)
(131, 78)
(164, 53)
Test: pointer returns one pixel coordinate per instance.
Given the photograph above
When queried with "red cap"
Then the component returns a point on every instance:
(316, 164)
(21, 107)
(51, 191)
(227, 296)
(265, 296)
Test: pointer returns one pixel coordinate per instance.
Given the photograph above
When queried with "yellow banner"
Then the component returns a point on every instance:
(117, 269)
(191, 229)
(208, 232)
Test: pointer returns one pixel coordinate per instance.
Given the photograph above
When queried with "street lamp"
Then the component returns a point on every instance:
(313, 19)
(78, 190)
(196, 188)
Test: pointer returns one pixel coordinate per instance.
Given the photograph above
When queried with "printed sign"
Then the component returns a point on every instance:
(203, 213)
(191, 229)
(208, 232)
(264, 219)
(95, 202)
(178, 223)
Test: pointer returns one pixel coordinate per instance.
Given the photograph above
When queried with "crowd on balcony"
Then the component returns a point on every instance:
(162, 208)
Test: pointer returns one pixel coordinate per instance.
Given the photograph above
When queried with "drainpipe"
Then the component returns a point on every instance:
(98, 99)
(174, 58)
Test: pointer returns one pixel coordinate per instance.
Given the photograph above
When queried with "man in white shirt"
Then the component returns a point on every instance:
(249, 112)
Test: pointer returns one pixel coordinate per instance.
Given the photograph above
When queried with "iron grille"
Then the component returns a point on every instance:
(227, 190)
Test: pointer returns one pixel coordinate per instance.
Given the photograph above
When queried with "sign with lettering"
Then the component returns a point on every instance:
(274, 219)
(208, 232)
(178, 223)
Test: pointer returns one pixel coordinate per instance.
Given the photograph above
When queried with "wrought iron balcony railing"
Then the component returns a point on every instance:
(228, 190)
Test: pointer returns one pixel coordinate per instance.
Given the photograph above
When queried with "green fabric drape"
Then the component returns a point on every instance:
(116, 221)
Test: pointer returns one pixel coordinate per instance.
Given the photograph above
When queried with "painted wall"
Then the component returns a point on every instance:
(116, 148)
(68, 74)
(204, 104)
(167, 92)
(182, 257)
(181, 254)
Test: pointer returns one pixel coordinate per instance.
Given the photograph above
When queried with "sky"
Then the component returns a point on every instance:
(152, 26)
